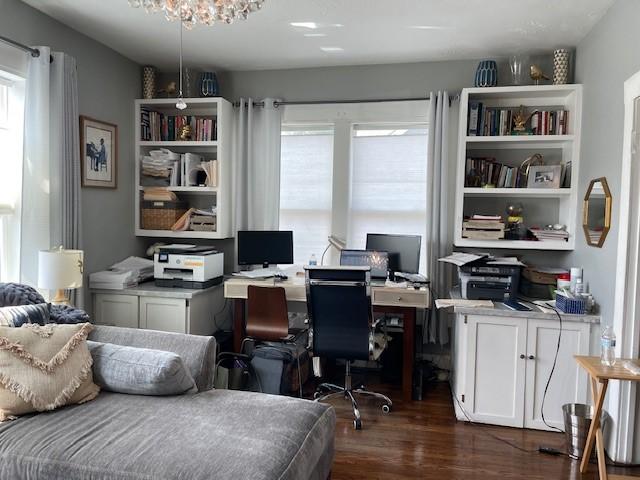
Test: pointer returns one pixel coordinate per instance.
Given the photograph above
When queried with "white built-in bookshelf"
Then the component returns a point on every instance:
(218, 147)
(541, 206)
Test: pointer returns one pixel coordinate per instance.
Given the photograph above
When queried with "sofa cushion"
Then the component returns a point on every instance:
(16, 316)
(68, 314)
(43, 368)
(197, 352)
(18, 294)
(215, 435)
(139, 371)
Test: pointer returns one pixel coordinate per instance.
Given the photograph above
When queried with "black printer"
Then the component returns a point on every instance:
(483, 280)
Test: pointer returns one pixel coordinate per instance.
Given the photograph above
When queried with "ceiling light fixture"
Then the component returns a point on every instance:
(315, 34)
(311, 25)
(427, 27)
(332, 49)
(207, 12)
(181, 104)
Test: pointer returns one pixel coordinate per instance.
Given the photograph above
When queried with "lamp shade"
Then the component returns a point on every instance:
(60, 269)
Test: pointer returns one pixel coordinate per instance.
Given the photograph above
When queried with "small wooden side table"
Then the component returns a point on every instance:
(600, 376)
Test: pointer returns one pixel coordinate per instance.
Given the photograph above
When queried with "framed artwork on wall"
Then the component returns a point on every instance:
(98, 153)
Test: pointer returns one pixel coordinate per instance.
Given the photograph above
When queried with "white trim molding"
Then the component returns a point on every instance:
(626, 321)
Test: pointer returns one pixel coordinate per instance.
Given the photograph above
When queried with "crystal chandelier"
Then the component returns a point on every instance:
(207, 12)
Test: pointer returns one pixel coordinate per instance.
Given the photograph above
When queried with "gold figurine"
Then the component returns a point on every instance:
(520, 119)
(537, 74)
(186, 132)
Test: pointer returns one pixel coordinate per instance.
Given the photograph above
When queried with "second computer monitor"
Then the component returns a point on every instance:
(378, 261)
(257, 247)
(403, 250)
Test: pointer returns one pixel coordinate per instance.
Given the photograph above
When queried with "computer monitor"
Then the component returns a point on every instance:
(265, 247)
(378, 261)
(403, 250)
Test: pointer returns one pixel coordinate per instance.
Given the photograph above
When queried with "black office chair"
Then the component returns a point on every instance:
(339, 306)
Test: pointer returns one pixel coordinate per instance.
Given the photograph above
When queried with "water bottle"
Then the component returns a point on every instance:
(313, 261)
(608, 347)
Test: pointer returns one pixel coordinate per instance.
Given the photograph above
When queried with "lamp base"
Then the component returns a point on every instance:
(60, 298)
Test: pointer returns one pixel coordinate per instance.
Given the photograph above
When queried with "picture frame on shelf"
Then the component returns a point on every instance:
(98, 153)
(544, 176)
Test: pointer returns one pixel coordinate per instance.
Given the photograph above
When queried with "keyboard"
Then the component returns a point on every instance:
(412, 277)
(259, 273)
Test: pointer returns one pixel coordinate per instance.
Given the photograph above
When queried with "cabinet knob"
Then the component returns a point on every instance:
(522, 356)
(531, 357)
(399, 299)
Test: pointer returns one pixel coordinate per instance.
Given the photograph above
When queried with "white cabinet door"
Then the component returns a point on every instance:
(116, 310)
(495, 371)
(165, 314)
(568, 384)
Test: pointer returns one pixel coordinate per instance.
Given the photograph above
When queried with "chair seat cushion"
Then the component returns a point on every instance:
(214, 435)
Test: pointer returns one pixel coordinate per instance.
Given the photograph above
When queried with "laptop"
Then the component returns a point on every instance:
(378, 261)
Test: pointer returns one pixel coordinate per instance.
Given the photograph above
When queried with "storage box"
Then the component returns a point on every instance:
(161, 215)
(576, 306)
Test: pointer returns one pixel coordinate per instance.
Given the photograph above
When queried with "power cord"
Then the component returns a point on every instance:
(553, 368)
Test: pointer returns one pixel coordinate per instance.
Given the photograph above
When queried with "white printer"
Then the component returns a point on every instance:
(188, 266)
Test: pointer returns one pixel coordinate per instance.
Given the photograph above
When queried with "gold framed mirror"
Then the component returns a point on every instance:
(596, 212)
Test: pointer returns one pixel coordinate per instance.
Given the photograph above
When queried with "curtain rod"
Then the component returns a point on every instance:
(334, 102)
(33, 51)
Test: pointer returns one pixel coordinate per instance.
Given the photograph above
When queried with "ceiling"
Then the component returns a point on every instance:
(347, 32)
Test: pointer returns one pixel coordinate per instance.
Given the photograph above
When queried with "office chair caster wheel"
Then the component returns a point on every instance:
(357, 424)
(386, 408)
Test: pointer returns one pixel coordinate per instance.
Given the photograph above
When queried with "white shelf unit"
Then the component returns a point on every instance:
(219, 149)
(541, 206)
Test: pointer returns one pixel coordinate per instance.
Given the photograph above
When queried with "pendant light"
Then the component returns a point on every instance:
(181, 104)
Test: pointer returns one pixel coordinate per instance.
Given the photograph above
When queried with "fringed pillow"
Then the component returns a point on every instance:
(43, 368)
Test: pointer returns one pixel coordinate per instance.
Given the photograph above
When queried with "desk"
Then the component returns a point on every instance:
(600, 376)
(385, 299)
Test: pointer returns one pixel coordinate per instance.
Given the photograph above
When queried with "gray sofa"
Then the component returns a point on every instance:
(212, 435)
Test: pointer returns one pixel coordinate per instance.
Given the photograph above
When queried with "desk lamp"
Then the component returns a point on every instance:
(60, 270)
(335, 242)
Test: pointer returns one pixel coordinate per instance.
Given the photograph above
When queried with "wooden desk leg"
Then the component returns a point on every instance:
(595, 432)
(408, 353)
(238, 323)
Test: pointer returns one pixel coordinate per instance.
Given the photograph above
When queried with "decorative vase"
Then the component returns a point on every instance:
(189, 78)
(517, 66)
(148, 82)
(486, 74)
(561, 66)
(209, 85)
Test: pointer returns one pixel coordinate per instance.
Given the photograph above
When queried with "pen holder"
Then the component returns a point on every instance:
(576, 306)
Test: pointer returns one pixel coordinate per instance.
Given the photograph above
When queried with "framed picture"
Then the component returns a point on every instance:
(544, 176)
(98, 153)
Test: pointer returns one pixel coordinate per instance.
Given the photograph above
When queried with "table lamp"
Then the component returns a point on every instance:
(60, 270)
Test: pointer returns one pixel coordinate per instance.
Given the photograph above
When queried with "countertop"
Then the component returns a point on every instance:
(500, 310)
(150, 289)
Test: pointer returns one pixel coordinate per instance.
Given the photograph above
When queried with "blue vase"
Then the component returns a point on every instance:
(486, 74)
(209, 85)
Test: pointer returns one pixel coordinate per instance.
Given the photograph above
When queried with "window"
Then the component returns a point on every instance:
(363, 170)
(11, 121)
(388, 183)
(306, 174)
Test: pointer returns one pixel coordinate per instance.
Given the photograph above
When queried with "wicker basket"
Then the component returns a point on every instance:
(161, 215)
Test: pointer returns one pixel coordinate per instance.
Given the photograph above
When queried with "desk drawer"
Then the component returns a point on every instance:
(401, 298)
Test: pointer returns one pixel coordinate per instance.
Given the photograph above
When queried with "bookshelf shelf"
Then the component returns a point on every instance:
(517, 192)
(540, 206)
(181, 143)
(217, 109)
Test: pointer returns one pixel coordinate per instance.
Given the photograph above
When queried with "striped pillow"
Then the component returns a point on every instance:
(19, 315)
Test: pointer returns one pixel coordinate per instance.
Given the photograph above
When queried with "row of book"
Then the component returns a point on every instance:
(489, 121)
(547, 235)
(158, 127)
(482, 172)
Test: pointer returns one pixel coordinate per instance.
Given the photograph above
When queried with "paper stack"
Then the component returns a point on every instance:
(125, 274)
(483, 227)
(544, 235)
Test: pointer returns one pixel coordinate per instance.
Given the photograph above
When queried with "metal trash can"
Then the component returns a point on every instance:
(577, 420)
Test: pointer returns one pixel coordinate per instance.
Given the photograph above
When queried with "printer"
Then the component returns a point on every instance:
(482, 280)
(187, 266)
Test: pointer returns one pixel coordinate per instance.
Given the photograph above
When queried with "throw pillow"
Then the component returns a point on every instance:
(139, 371)
(67, 314)
(21, 314)
(44, 367)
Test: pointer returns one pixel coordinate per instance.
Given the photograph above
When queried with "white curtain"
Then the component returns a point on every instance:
(256, 165)
(51, 206)
(438, 235)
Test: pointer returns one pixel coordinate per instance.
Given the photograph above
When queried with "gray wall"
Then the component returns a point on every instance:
(107, 85)
(605, 59)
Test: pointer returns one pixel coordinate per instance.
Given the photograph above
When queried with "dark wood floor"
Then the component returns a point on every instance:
(423, 440)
